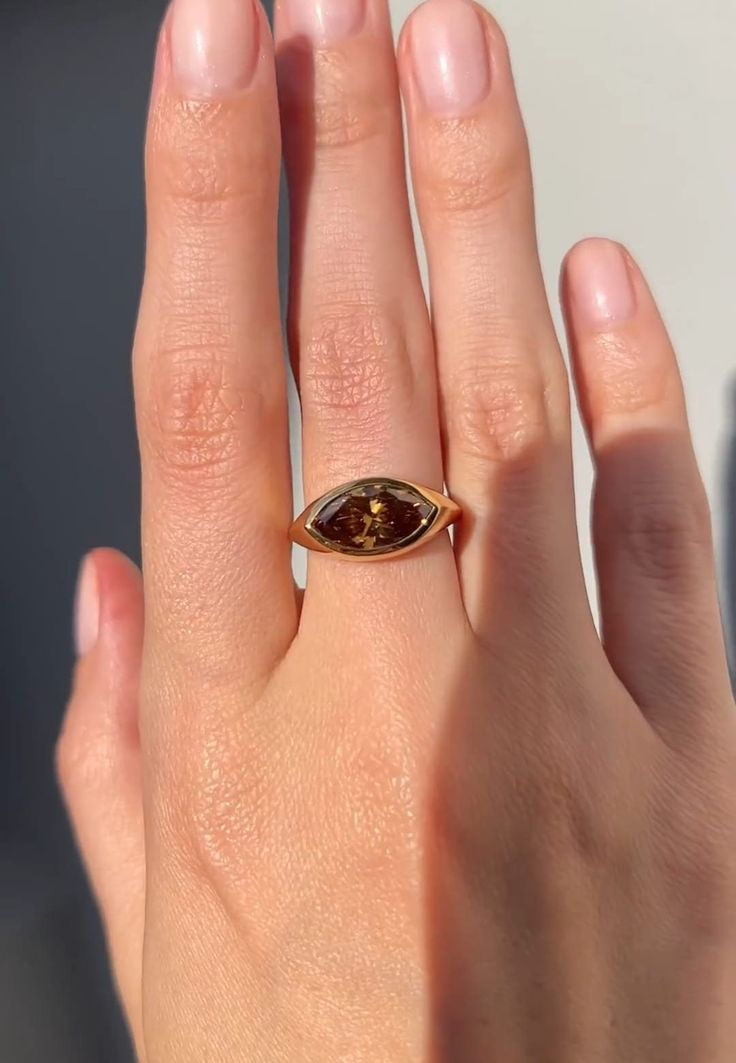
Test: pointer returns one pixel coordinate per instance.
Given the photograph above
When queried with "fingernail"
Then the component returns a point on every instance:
(326, 20)
(450, 54)
(602, 292)
(86, 609)
(161, 59)
(214, 46)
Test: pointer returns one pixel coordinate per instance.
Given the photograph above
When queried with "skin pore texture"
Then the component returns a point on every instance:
(423, 812)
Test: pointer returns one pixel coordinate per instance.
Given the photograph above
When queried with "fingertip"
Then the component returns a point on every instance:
(162, 57)
(86, 608)
(109, 596)
(97, 749)
(598, 285)
(625, 367)
(213, 73)
(97, 757)
(121, 589)
(490, 22)
(450, 52)
(108, 626)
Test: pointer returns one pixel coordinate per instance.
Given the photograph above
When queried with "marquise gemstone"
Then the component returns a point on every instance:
(373, 518)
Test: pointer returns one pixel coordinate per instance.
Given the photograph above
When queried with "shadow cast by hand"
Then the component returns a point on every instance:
(522, 743)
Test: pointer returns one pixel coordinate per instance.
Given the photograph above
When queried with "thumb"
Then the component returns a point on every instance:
(98, 759)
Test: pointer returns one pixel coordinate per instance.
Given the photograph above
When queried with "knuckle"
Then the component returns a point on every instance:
(349, 106)
(547, 789)
(200, 415)
(696, 852)
(561, 801)
(354, 362)
(701, 871)
(619, 384)
(589, 827)
(347, 123)
(497, 412)
(469, 170)
(66, 760)
(601, 830)
(375, 817)
(666, 534)
(76, 757)
(204, 169)
(216, 811)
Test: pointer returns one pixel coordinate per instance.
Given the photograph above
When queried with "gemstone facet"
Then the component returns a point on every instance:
(372, 517)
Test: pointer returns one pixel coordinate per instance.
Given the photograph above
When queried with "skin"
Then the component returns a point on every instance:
(426, 813)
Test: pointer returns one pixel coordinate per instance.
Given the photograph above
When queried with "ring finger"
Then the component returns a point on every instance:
(359, 328)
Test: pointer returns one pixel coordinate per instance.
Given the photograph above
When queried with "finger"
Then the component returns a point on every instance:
(660, 614)
(210, 379)
(98, 760)
(502, 379)
(359, 328)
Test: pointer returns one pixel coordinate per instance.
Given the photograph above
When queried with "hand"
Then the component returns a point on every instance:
(426, 814)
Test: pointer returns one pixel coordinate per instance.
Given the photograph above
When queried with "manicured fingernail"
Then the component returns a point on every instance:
(214, 46)
(86, 609)
(326, 20)
(601, 289)
(161, 60)
(450, 54)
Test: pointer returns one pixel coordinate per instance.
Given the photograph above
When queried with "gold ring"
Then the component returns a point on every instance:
(374, 519)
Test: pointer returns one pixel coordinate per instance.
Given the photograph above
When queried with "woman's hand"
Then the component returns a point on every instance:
(425, 814)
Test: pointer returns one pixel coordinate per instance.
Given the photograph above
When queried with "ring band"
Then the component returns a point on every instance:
(374, 519)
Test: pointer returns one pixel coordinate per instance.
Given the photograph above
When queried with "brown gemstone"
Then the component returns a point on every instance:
(373, 518)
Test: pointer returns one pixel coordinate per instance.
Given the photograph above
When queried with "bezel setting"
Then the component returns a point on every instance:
(439, 513)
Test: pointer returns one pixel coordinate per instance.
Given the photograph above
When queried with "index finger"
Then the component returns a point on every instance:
(209, 367)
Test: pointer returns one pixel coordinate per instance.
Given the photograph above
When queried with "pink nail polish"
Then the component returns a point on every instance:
(450, 53)
(86, 609)
(601, 290)
(214, 46)
(325, 21)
